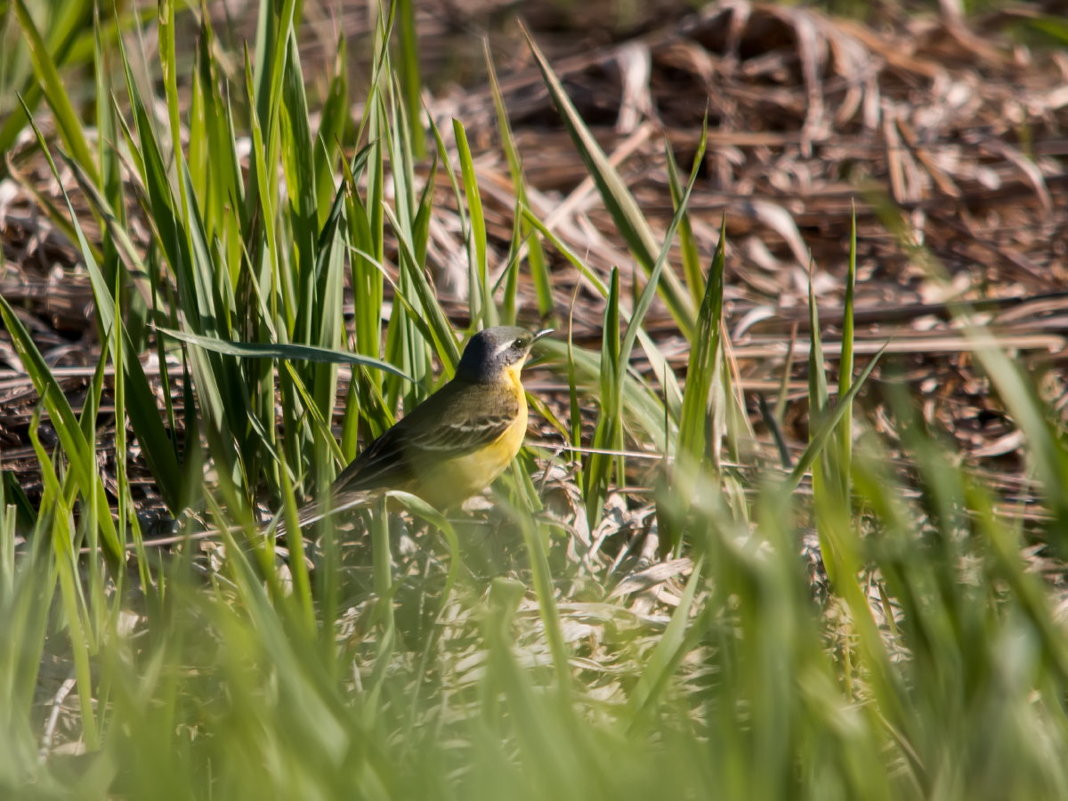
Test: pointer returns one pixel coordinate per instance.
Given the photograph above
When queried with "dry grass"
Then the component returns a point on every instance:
(810, 117)
(945, 138)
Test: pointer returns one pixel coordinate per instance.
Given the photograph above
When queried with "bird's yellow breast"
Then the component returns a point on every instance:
(453, 480)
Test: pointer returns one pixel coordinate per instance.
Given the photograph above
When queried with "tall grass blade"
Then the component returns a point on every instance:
(159, 449)
(481, 289)
(253, 350)
(617, 198)
(408, 72)
(55, 93)
(539, 268)
(607, 437)
(80, 452)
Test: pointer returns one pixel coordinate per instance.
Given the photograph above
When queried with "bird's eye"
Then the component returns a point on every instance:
(519, 344)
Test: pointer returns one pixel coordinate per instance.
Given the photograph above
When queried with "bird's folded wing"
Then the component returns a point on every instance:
(459, 437)
(382, 464)
(433, 432)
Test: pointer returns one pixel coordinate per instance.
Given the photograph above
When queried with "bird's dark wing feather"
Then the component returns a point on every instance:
(380, 464)
(432, 435)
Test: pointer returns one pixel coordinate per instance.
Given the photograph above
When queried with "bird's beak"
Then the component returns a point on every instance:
(539, 335)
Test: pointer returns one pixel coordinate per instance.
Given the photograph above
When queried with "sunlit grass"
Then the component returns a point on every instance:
(406, 655)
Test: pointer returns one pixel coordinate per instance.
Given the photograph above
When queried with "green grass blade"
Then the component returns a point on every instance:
(691, 259)
(332, 124)
(845, 363)
(695, 434)
(539, 268)
(253, 350)
(159, 450)
(481, 291)
(607, 440)
(617, 198)
(669, 650)
(64, 26)
(55, 93)
(824, 431)
(81, 453)
(408, 71)
(658, 363)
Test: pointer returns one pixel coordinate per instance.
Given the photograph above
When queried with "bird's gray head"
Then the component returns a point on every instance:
(493, 350)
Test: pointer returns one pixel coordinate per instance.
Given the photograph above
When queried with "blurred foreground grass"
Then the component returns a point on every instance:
(490, 655)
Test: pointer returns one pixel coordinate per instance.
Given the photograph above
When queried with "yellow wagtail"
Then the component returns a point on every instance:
(457, 441)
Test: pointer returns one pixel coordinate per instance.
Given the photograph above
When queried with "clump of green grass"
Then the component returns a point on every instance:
(495, 653)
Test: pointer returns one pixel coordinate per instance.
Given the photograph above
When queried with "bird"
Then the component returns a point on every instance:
(457, 441)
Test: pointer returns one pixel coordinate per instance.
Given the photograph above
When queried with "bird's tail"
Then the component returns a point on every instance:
(320, 510)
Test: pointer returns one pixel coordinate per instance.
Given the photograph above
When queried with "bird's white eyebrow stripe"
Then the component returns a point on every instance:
(503, 347)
